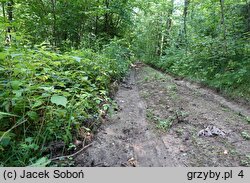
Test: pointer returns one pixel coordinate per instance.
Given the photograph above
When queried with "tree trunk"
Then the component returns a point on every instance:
(169, 24)
(161, 35)
(4, 18)
(3, 9)
(10, 10)
(158, 36)
(248, 15)
(53, 2)
(106, 26)
(165, 34)
(186, 4)
(223, 25)
(170, 14)
(96, 21)
(10, 5)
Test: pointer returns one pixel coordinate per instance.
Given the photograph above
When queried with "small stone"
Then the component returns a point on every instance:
(225, 152)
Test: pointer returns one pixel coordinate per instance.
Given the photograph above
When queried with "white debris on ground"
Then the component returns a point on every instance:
(211, 131)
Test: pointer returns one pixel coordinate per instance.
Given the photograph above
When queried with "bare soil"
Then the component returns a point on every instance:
(158, 122)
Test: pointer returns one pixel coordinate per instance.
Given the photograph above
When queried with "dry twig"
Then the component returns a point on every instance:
(72, 155)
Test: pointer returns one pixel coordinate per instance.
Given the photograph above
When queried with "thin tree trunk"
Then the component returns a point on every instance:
(10, 10)
(162, 36)
(224, 25)
(168, 24)
(4, 17)
(186, 4)
(96, 22)
(3, 9)
(162, 42)
(10, 19)
(248, 14)
(96, 25)
(165, 34)
(107, 17)
(53, 2)
(158, 37)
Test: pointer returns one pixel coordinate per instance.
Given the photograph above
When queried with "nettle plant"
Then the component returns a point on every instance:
(45, 97)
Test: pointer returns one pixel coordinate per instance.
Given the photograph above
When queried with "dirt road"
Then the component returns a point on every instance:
(158, 123)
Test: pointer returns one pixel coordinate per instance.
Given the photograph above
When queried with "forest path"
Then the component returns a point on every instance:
(158, 122)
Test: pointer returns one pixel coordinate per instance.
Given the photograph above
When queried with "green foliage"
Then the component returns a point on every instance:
(59, 100)
(164, 124)
(245, 161)
(245, 135)
(119, 51)
(248, 119)
(212, 50)
(46, 96)
(72, 23)
(161, 124)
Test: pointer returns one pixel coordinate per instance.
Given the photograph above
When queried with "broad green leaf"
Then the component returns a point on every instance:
(33, 115)
(5, 141)
(18, 93)
(38, 103)
(59, 100)
(16, 84)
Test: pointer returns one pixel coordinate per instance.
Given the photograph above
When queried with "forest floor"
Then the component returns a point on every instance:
(158, 122)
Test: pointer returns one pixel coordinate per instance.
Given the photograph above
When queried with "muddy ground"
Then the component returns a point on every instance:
(158, 122)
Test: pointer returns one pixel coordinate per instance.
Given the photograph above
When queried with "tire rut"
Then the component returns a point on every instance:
(147, 100)
(128, 139)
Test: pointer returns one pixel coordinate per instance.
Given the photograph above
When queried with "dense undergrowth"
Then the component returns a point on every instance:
(228, 74)
(205, 41)
(49, 97)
